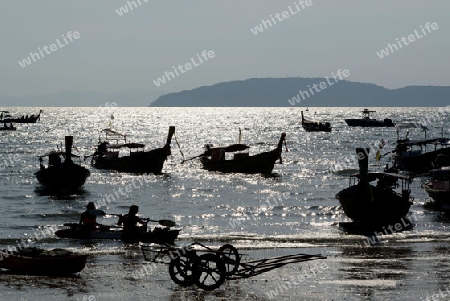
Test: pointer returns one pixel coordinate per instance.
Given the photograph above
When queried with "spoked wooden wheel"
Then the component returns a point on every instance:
(211, 271)
(230, 257)
(181, 270)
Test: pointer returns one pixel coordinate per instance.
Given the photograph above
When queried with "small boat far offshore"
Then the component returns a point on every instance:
(138, 161)
(214, 159)
(5, 117)
(313, 126)
(367, 122)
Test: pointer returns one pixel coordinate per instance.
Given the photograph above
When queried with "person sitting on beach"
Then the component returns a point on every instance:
(130, 222)
(88, 219)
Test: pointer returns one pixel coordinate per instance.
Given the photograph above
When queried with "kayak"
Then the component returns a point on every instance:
(158, 235)
(43, 262)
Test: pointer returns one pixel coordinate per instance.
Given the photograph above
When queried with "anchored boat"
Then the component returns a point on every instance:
(214, 158)
(438, 187)
(138, 160)
(6, 117)
(375, 205)
(420, 156)
(366, 121)
(59, 176)
(314, 126)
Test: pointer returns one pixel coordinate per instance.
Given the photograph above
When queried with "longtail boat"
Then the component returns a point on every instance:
(214, 158)
(43, 262)
(375, 205)
(6, 117)
(421, 156)
(64, 177)
(138, 160)
(314, 126)
(438, 187)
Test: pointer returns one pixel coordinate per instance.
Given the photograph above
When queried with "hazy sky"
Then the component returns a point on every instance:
(117, 53)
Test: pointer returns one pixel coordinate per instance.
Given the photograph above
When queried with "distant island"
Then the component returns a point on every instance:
(304, 92)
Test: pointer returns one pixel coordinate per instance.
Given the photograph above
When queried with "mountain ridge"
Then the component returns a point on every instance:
(282, 92)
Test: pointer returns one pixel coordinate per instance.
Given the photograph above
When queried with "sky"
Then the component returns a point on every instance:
(116, 53)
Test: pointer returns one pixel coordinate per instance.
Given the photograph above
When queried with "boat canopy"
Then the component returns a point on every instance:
(232, 148)
(436, 141)
(440, 174)
(110, 132)
(372, 176)
(58, 154)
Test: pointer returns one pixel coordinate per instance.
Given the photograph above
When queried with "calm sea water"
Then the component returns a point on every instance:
(291, 211)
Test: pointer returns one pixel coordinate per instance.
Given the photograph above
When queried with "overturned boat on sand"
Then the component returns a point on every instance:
(43, 262)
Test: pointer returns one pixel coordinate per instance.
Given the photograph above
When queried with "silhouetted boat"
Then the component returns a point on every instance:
(42, 262)
(367, 122)
(438, 187)
(5, 117)
(375, 205)
(62, 177)
(214, 159)
(138, 160)
(158, 235)
(420, 156)
(313, 126)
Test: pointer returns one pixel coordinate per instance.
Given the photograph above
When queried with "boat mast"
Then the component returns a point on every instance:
(69, 143)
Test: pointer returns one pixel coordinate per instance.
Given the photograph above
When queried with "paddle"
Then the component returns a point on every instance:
(387, 153)
(192, 158)
(162, 222)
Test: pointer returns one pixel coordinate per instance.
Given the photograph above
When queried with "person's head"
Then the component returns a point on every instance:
(90, 206)
(133, 209)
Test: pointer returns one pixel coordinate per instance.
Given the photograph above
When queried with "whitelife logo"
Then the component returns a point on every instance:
(53, 47)
(188, 66)
(265, 24)
(391, 48)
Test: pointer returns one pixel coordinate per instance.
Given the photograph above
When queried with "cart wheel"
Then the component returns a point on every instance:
(230, 257)
(181, 270)
(210, 271)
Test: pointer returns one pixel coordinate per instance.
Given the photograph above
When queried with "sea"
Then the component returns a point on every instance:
(291, 211)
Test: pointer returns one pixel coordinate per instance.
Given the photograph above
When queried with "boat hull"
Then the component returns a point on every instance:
(158, 235)
(22, 119)
(63, 178)
(369, 122)
(140, 162)
(58, 265)
(441, 197)
(419, 163)
(316, 127)
(375, 206)
(261, 163)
